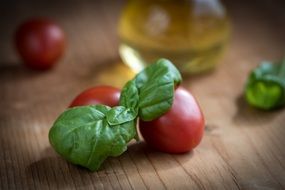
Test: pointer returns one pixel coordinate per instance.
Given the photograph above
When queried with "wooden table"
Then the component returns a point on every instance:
(243, 148)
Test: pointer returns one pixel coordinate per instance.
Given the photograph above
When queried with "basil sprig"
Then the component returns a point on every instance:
(265, 87)
(87, 135)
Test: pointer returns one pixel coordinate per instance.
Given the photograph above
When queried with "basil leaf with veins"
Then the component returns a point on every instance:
(130, 95)
(155, 86)
(120, 114)
(83, 136)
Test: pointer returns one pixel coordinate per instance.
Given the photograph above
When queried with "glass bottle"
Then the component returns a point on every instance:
(190, 33)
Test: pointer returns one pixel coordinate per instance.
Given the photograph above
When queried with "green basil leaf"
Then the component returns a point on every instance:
(156, 85)
(151, 106)
(265, 87)
(120, 114)
(83, 136)
(130, 95)
(157, 70)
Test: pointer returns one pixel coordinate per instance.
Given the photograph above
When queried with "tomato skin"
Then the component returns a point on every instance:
(180, 129)
(40, 43)
(105, 95)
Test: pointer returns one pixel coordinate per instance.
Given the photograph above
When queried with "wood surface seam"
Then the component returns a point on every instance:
(230, 169)
(125, 174)
(108, 177)
(192, 176)
(261, 160)
(137, 170)
(115, 174)
(155, 170)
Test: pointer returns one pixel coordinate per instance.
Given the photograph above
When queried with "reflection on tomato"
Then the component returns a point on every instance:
(40, 43)
(180, 129)
(105, 95)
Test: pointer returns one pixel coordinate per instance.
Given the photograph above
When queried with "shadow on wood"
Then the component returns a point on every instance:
(16, 72)
(250, 116)
(144, 154)
(55, 172)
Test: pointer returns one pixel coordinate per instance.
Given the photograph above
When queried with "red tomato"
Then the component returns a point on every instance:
(180, 129)
(105, 95)
(40, 43)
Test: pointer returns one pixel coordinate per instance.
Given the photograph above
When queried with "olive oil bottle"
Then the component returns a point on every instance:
(190, 33)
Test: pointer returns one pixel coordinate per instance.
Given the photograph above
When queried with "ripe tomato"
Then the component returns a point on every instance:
(106, 95)
(40, 43)
(180, 129)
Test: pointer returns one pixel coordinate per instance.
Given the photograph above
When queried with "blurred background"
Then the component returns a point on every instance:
(218, 41)
(193, 34)
(211, 38)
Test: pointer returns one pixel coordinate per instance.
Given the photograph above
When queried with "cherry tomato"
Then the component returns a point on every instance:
(40, 43)
(180, 129)
(105, 95)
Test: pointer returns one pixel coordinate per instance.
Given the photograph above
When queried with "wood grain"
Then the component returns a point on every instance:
(243, 148)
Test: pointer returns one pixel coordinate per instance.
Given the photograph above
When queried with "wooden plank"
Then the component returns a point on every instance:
(242, 147)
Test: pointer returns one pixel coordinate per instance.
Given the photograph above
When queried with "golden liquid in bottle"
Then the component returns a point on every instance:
(190, 33)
